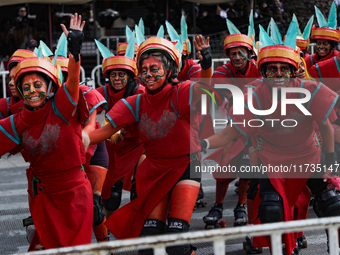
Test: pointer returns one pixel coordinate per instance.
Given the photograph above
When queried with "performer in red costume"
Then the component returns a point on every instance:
(125, 148)
(285, 146)
(163, 118)
(96, 161)
(324, 62)
(239, 71)
(50, 134)
(13, 104)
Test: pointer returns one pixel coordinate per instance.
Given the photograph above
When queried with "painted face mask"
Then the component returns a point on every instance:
(153, 73)
(238, 60)
(278, 74)
(118, 79)
(11, 83)
(323, 47)
(34, 90)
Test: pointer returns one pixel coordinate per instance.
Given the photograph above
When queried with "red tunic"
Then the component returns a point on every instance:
(164, 125)
(125, 154)
(189, 71)
(288, 146)
(228, 74)
(93, 100)
(201, 125)
(312, 60)
(328, 71)
(52, 143)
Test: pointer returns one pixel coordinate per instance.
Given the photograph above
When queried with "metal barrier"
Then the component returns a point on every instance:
(3, 77)
(217, 236)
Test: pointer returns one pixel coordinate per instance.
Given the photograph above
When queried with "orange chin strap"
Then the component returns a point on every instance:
(183, 199)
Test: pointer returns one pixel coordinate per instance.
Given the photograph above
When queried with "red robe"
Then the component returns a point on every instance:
(202, 126)
(51, 139)
(9, 106)
(312, 60)
(284, 146)
(93, 100)
(125, 154)
(227, 74)
(163, 122)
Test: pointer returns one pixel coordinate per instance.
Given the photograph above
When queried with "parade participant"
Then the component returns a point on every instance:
(163, 118)
(280, 145)
(48, 130)
(96, 161)
(325, 61)
(201, 125)
(239, 71)
(125, 148)
(13, 104)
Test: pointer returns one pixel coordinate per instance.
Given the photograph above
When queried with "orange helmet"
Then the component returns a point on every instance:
(237, 40)
(163, 45)
(38, 65)
(119, 62)
(18, 56)
(277, 53)
(122, 48)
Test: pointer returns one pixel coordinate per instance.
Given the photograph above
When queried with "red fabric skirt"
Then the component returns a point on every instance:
(154, 180)
(62, 208)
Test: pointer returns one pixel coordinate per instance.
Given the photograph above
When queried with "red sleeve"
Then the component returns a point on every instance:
(9, 138)
(140, 89)
(223, 72)
(3, 108)
(194, 70)
(63, 104)
(93, 98)
(322, 102)
(181, 98)
(125, 111)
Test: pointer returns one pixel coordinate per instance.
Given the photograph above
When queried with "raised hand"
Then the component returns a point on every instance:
(75, 24)
(74, 35)
(203, 51)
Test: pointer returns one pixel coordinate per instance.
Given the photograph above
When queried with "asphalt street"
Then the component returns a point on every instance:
(14, 207)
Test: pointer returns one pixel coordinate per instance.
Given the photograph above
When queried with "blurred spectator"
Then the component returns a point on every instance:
(24, 27)
(124, 20)
(22, 17)
(8, 43)
(31, 44)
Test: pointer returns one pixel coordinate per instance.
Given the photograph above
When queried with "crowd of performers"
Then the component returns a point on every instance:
(154, 134)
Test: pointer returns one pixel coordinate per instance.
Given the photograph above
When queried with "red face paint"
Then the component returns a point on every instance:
(238, 60)
(11, 83)
(278, 74)
(34, 89)
(153, 73)
(118, 79)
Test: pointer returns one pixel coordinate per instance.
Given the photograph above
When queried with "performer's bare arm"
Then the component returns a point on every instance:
(103, 133)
